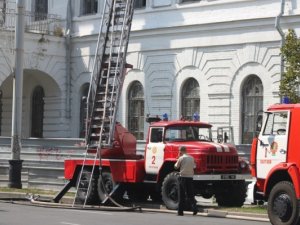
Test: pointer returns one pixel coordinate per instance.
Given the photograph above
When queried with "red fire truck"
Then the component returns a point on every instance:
(275, 163)
(219, 172)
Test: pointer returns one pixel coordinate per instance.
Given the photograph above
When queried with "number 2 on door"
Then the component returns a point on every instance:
(153, 159)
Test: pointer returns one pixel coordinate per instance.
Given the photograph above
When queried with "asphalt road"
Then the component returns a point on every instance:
(15, 214)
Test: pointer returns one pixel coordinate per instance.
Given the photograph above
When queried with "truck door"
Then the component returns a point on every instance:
(155, 151)
(272, 143)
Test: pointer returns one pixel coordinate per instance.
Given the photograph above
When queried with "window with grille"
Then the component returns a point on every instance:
(41, 9)
(89, 7)
(252, 107)
(136, 110)
(138, 4)
(37, 109)
(83, 110)
(190, 99)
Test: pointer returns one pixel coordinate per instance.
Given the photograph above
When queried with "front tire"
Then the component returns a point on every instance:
(169, 190)
(283, 206)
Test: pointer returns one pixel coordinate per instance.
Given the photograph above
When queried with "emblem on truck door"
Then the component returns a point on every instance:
(154, 150)
(274, 148)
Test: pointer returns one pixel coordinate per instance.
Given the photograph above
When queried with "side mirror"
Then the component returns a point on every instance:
(220, 138)
(259, 121)
(225, 134)
(225, 137)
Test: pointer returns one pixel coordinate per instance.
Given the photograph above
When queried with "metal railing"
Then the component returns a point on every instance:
(43, 165)
(40, 23)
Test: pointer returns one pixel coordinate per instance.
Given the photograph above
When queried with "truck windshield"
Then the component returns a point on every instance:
(188, 133)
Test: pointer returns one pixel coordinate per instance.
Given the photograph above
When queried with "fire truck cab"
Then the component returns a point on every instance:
(275, 163)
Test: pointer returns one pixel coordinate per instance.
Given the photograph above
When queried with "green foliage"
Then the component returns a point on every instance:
(290, 81)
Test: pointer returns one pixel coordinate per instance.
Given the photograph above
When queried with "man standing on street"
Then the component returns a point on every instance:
(186, 165)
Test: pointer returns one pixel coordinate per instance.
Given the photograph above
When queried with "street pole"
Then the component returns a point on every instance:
(282, 42)
(15, 164)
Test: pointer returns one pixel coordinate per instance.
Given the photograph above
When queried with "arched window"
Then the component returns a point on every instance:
(190, 99)
(83, 108)
(136, 110)
(37, 109)
(252, 106)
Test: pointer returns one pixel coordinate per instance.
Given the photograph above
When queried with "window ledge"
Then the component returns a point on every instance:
(86, 17)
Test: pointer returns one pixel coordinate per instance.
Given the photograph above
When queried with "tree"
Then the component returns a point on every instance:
(289, 84)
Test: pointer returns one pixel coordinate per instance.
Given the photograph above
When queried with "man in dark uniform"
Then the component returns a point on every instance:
(186, 165)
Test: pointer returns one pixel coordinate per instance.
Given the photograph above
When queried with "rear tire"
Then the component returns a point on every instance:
(92, 195)
(283, 206)
(169, 190)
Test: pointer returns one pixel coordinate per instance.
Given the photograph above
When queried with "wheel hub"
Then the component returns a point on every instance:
(173, 194)
(283, 206)
(108, 186)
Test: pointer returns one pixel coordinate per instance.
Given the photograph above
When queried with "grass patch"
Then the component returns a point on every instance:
(246, 209)
(33, 191)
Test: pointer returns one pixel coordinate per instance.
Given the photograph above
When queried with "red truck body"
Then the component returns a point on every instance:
(275, 163)
(219, 168)
(122, 159)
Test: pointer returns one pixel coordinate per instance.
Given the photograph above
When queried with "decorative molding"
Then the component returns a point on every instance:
(220, 96)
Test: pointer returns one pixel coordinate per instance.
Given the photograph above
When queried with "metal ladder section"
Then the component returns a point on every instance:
(105, 88)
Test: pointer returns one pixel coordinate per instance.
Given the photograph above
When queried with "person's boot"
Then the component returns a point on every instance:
(180, 214)
(195, 212)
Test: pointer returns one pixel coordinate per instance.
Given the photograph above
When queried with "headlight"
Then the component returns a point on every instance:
(243, 164)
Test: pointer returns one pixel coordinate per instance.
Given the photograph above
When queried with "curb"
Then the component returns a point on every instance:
(66, 202)
(238, 215)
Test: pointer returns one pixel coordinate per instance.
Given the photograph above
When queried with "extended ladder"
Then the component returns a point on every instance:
(105, 88)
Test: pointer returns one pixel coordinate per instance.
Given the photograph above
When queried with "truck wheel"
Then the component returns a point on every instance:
(106, 185)
(92, 195)
(232, 195)
(169, 190)
(282, 204)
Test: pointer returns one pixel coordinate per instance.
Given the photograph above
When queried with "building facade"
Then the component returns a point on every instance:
(218, 58)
